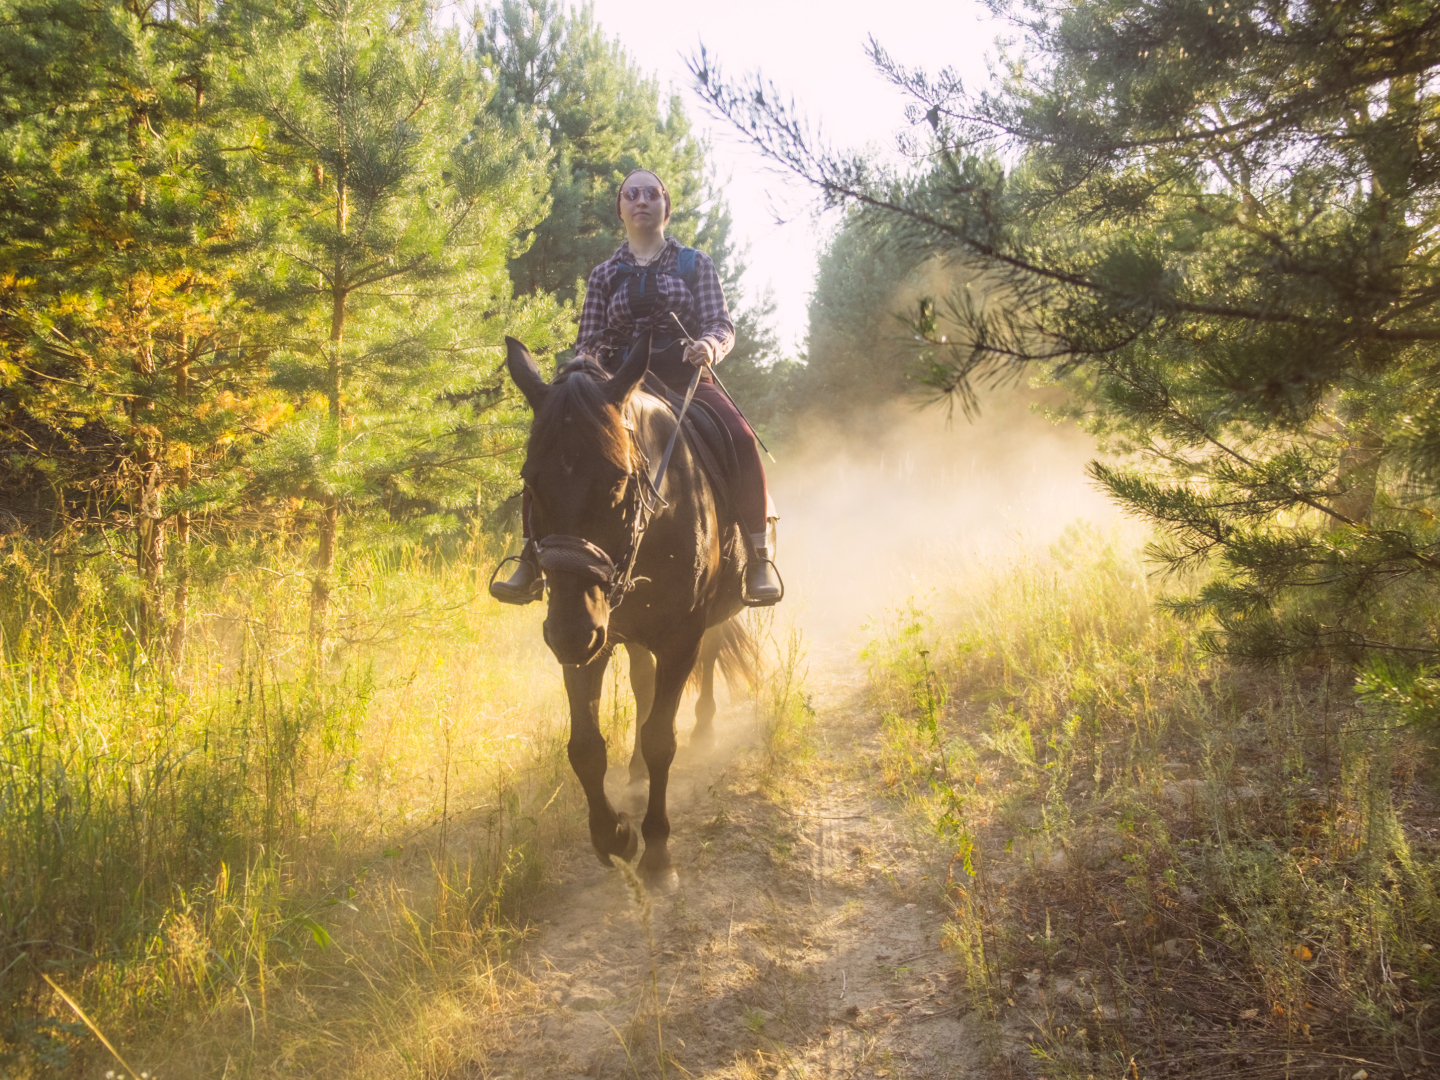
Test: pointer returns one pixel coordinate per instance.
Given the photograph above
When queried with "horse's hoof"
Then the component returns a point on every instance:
(632, 837)
(656, 869)
(702, 740)
(661, 882)
(630, 843)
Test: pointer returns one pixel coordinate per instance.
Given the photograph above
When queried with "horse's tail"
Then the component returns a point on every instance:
(739, 656)
(734, 651)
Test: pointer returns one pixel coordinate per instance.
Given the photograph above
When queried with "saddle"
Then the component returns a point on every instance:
(709, 440)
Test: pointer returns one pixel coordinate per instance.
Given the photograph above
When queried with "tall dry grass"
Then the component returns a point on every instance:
(781, 708)
(264, 861)
(1163, 864)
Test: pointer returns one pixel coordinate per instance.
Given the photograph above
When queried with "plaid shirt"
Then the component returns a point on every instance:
(607, 323)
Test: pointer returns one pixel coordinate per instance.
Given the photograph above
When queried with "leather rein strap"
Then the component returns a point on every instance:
(679, 419)
(576, 555)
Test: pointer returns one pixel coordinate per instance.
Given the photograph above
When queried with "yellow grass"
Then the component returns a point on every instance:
(270, 862)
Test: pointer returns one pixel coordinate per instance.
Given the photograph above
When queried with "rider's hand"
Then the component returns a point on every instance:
(701, 352)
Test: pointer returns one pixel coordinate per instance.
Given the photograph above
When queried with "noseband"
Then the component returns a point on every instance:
(576, 556)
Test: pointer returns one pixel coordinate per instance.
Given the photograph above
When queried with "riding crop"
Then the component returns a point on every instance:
(679, 419)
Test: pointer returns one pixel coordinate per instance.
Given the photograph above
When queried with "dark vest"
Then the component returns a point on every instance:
(667, 352)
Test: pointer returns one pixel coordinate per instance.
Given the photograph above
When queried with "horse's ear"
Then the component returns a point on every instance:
(526, 375)
(622, 384)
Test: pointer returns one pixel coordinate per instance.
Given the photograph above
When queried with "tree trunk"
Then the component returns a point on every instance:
(324, 564)
(1357, 476)
(149, 541)
(149, 525)
(148, 487)
(180, 628)
(330, 518)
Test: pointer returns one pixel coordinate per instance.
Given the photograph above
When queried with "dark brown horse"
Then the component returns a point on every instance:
(594, 444)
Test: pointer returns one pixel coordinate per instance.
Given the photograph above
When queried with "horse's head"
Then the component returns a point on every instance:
(580, 469)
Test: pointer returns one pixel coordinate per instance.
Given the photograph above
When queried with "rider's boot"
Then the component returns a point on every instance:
(527, 583)
(763, 586)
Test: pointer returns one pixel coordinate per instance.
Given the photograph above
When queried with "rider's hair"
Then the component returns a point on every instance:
(663, 189)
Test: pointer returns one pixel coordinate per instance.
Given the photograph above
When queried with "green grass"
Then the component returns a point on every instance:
(1160, 857)
(235, 863)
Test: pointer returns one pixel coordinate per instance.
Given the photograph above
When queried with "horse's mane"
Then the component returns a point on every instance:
(576, 415)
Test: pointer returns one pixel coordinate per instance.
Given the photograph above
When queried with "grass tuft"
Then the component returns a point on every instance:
(784, 714)
(1162, 863)
(645, 910)
(257, 859)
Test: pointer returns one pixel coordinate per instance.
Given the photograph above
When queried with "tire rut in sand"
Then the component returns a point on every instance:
(804, 939)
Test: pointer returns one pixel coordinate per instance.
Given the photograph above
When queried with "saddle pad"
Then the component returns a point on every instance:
(706, 436)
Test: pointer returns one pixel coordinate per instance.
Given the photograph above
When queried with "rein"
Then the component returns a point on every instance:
(576, 555)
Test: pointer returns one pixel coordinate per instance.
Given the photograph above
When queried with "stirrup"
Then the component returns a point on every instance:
(761, 601)
(508, 593)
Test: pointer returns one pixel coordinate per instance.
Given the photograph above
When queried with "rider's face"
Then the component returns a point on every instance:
(644, 215)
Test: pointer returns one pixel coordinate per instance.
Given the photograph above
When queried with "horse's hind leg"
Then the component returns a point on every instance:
(642, 682)
(657, 738)
(610, 831)
(704, 734)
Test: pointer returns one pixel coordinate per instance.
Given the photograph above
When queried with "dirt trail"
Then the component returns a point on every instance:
(804, 939)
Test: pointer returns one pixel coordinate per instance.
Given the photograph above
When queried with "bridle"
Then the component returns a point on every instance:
(576, 555)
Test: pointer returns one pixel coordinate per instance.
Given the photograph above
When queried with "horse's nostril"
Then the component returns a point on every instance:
(572, 648)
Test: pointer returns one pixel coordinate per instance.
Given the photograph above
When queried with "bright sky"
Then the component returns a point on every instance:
(816, 53)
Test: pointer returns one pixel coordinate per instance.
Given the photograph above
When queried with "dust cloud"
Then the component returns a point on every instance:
(873, 514)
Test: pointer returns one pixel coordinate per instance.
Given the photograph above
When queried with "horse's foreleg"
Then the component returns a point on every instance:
(642, 682)
(657, 742)
(704, 733)
(610, 830)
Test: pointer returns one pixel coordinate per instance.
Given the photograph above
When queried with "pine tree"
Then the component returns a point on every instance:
(603, 116)
(393, 196)
(115, 226)
(1221, 220)
(857, 353)
(858, 350)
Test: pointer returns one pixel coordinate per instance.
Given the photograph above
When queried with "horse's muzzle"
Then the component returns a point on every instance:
(576, 619)
(571, 647)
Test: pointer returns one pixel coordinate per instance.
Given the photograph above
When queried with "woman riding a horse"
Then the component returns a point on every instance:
(655, 290)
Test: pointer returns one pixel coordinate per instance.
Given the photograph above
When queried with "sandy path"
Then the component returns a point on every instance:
(804, 939)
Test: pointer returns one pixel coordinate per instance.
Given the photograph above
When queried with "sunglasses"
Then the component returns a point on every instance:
(633, 194)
